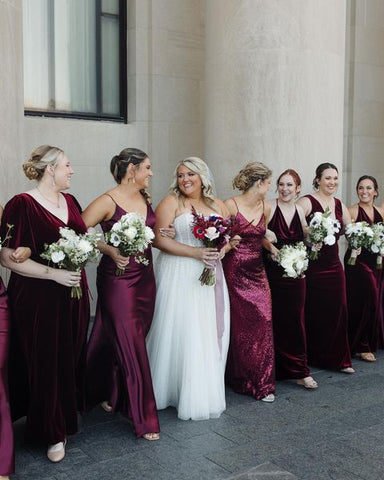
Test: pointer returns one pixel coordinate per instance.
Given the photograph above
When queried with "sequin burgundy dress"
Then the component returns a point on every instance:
(288, 302)
(326, 304)
(363, 294)
(250, 365)
(117, 363)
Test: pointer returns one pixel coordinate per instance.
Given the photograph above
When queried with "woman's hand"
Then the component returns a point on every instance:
(120, 261)
(271, 236)
(274, 253)
(234, 241)
(208, 256)
(20, 254)
(169, 231)
(64, 277)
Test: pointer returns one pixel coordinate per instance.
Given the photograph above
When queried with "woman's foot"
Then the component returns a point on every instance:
(269, 398)
(347, 370)
(151, 436)
(366, 356)
(307, 382)
(56, 452)
(106, 406)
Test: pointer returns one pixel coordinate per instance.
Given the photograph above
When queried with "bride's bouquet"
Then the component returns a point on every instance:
(293, 259)
(358, 235)
(72, 252)
(322, 229)
(131, 237)
(377, 243)
(214, 232)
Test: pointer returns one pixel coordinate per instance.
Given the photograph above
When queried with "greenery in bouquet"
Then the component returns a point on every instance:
(322, 230)
(377, 243)
(358, 235)
(72, 252)
(131, 237)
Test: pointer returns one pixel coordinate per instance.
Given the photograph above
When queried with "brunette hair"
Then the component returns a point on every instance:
(319, 171)
(373, 180)
(250, 174)
(39, 159)
(120, 163)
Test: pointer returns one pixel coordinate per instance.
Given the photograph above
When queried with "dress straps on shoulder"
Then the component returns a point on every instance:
(236, 205)
(110, 196)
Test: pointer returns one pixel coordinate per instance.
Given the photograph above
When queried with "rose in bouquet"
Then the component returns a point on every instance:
(7, 235)
(322, 230)
(131, 237)
(358, 235)
(72, 252)
(214, 232)
(293, 259)
(377, 243)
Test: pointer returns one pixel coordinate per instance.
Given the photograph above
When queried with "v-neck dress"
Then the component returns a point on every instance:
(250, 365)
(288, 302)
(49, 328)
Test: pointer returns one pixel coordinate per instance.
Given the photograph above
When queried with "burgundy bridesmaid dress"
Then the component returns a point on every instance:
(326, 304)
(288, 301)
(7, 464)
(363, 294)
(117, 363)
(49, 328)
(250, 365)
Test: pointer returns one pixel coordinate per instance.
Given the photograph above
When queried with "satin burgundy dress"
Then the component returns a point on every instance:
(326, 304)
(7, 463)
(250, 365)
(363, 294)
(288, 302)
(49, 328)
(117, 363)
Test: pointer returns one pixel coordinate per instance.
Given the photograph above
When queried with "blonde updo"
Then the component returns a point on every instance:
(250, 174)
(196, 165)
(40, 158)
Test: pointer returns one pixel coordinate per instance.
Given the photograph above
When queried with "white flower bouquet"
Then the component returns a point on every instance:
(72, 252)
(377, 243)
(293, 259)
(131, 237)
(322, 230)
(358, 235)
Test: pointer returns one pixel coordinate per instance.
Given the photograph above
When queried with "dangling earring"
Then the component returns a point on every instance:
(133, 179)
(53, 181)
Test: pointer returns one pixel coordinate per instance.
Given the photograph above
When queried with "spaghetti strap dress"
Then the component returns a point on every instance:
(326, 315)
(288, 302)
(250, 365)
(117, 363)
(363, 294)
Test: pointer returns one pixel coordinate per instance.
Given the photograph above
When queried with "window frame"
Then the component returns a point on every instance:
(123, 87)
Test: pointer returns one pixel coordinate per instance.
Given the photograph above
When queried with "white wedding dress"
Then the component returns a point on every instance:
(188, 343)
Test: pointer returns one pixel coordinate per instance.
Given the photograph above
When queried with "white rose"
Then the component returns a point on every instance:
(130, 233)
(84, 246)
(57, 257)
(211, 233)
(149, 235)
(329, 240)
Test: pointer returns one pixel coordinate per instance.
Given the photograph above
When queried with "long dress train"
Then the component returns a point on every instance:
(250, 366)
(117, 361)
(188, 340)
(288, 301)
(363, 294)
(326, 304)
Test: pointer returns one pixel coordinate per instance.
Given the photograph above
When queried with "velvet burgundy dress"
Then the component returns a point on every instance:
(117, 363)
(250, 365)
(288, 301)
(49, 328)
(6, 434)
(363, 294)
(326, 315)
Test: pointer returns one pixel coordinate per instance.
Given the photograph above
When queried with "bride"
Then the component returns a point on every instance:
(188, 340)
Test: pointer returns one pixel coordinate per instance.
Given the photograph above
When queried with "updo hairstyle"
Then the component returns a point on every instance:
(293, 174)
(120, 163)
(373, 180)
(319, 171)
(40, 158)
(250, 174)
(196, 165)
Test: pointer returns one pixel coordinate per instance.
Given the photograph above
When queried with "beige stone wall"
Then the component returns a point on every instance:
(364, 101)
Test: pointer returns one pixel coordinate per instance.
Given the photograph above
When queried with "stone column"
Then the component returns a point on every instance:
(274, 85)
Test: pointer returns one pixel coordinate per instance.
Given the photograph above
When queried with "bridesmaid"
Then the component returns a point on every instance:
(363, 279)
(250, 366)
(326, 302)
(47, 354)
(118, 373)
(288, 294)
